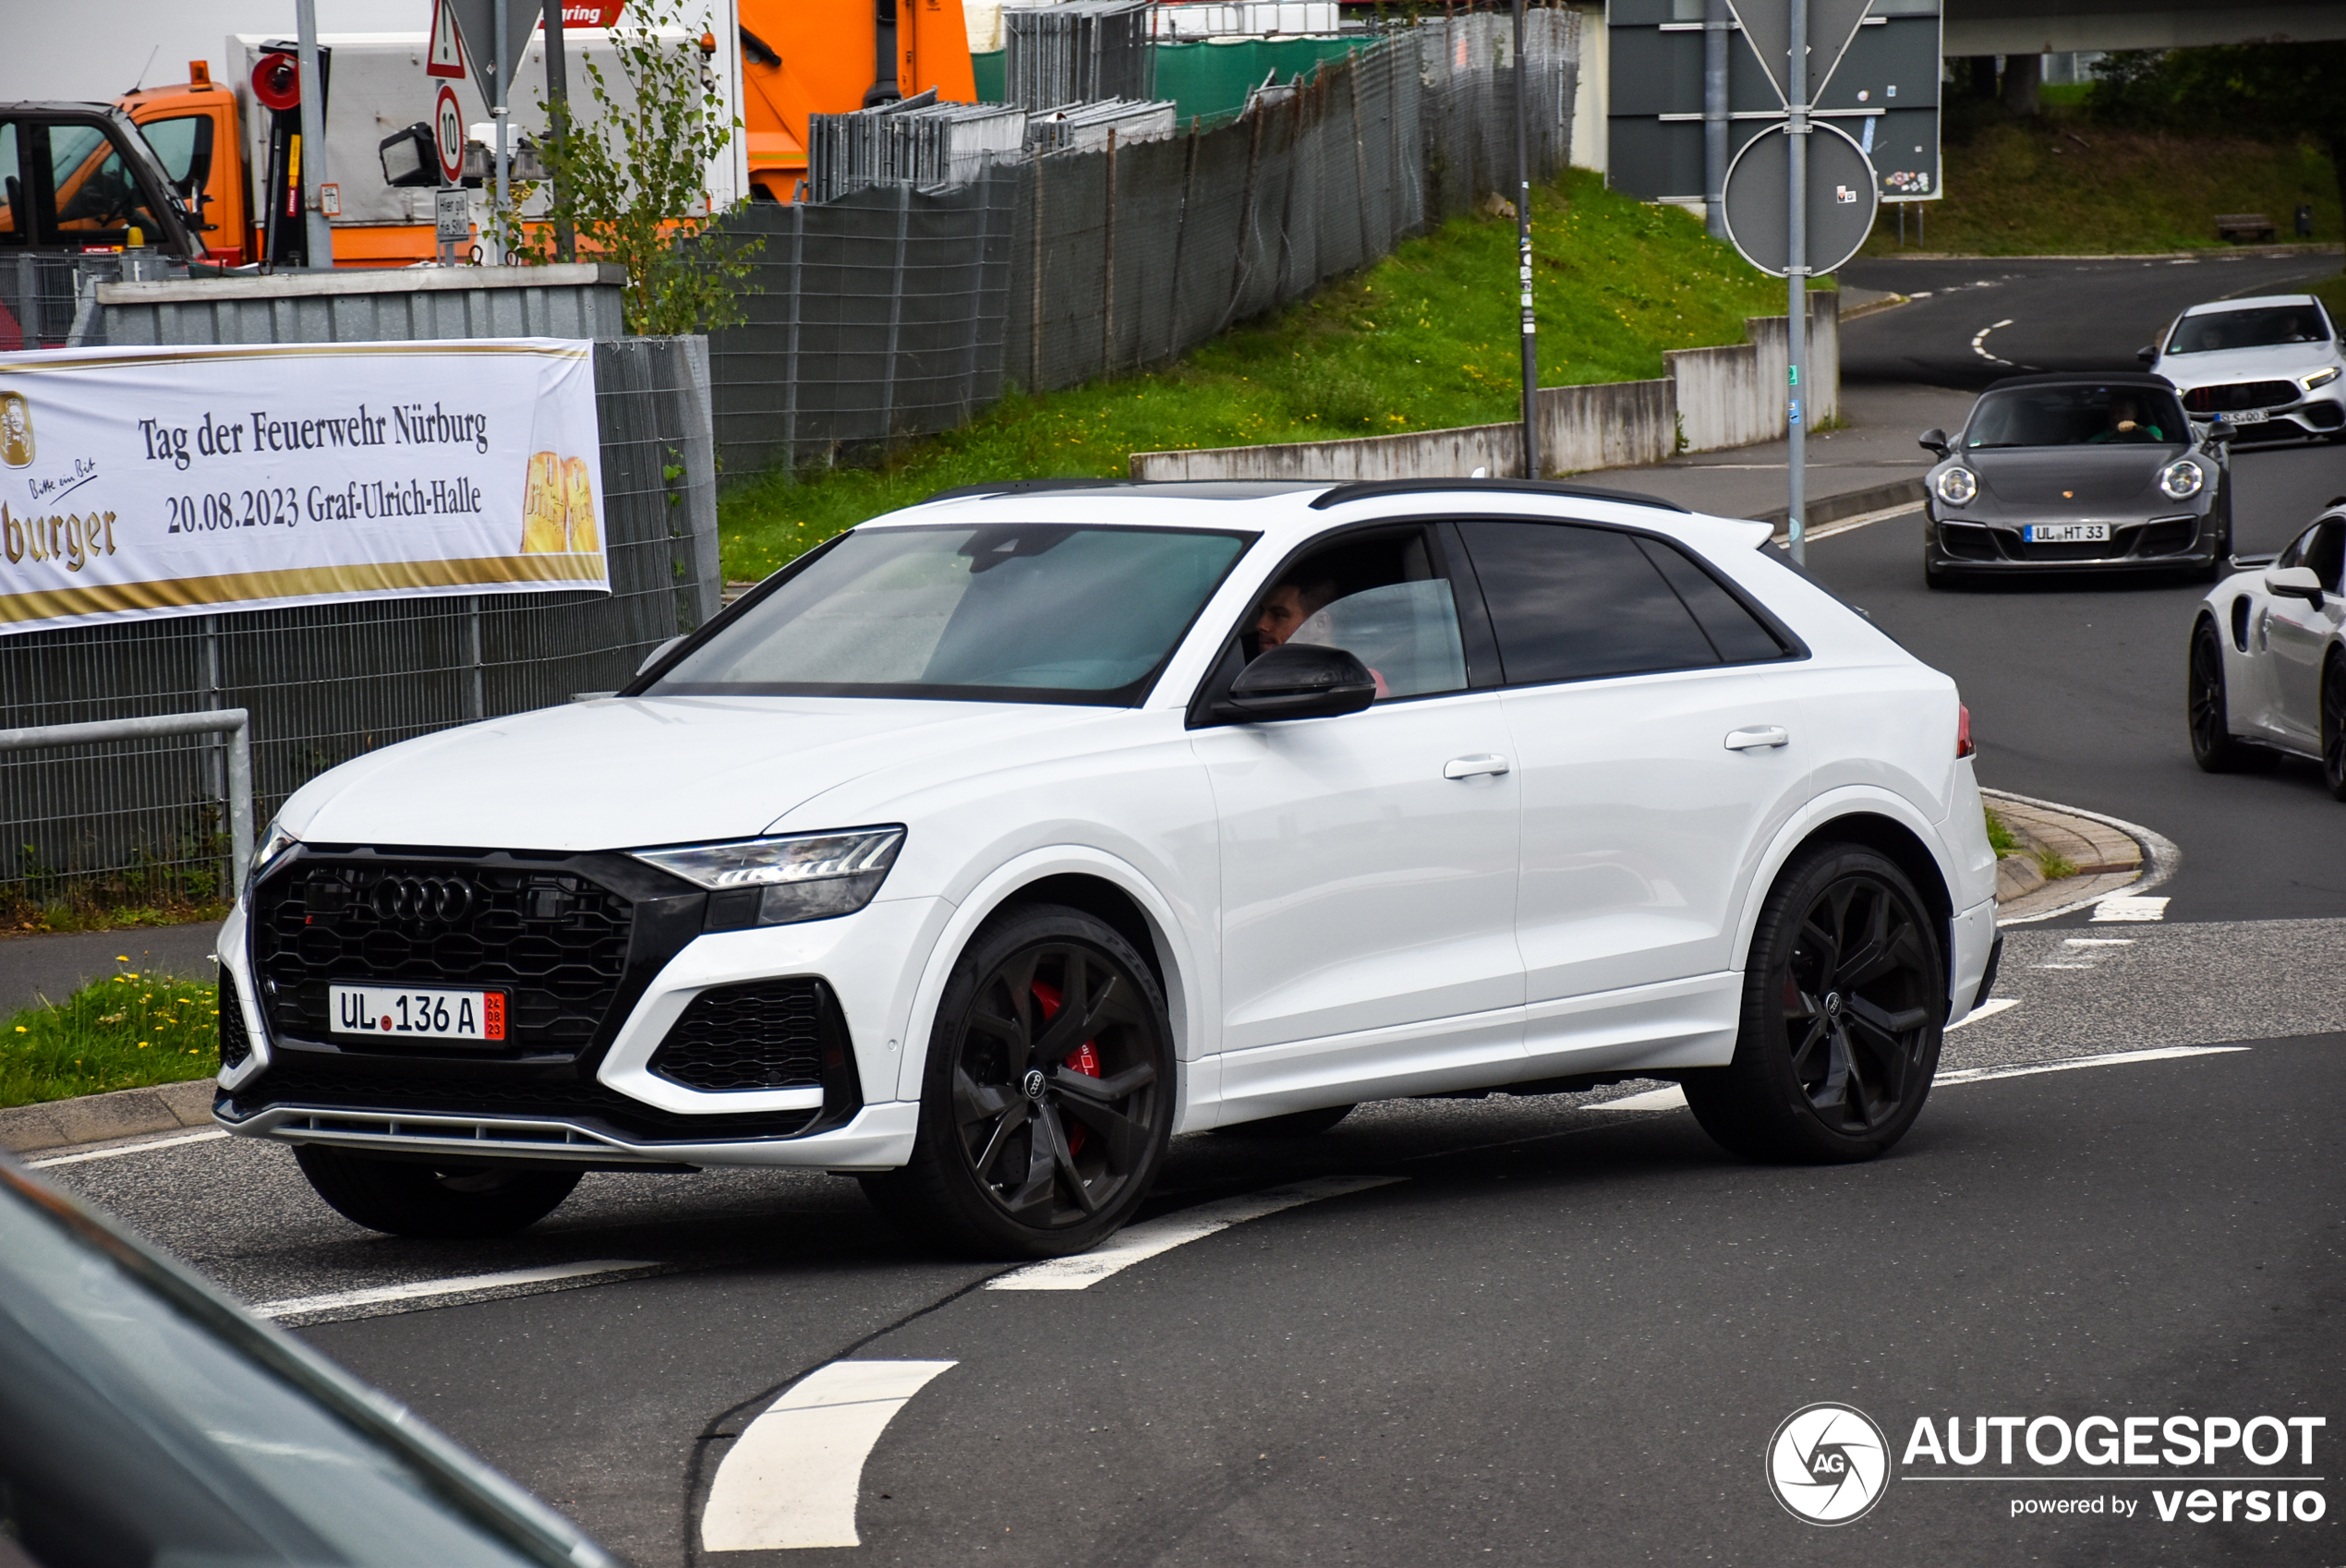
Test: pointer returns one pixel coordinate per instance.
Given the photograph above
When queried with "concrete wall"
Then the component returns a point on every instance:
(1717, 397)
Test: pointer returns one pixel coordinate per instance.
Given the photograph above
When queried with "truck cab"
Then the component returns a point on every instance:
(76, 180)
(194, 129)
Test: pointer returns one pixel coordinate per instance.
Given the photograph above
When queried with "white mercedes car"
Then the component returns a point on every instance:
(2269, 659)
(2272, 367)
(991, 844)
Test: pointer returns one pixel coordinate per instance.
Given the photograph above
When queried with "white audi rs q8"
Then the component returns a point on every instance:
(985, 848)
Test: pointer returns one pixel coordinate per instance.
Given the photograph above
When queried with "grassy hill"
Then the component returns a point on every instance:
(2058, 183)
(1424, 338)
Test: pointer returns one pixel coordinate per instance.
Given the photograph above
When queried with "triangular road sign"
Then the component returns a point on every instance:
(1767, 26)
(446, 56)
(477, 20)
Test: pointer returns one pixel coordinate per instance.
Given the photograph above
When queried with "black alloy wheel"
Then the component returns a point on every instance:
(2334, 726)
(1049, 1098)
(446, 1203)
(1845, 999)
(2212, 745)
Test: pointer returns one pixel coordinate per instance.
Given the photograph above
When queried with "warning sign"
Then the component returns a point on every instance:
(446, 56)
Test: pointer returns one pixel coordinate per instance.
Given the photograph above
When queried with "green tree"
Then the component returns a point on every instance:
(630, 174)
(2277, 90)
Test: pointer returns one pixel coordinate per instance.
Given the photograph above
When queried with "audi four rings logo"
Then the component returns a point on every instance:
(1828, 1463)
(423, 897)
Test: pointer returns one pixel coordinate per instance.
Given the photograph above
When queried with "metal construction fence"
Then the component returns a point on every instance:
(146, 821)
(896, 311)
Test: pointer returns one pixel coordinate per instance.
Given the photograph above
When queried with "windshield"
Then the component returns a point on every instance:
(131, 1433)
(1008, 613)
(2266, 327)
(2083, 415)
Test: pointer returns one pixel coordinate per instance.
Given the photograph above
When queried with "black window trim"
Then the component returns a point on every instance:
(1135, 693)
(1447, 553)
(1796, 650)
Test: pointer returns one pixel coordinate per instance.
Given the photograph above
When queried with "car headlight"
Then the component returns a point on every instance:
(2319, 379)
(2182, 479)
(782, 881)
(1957, 486)
(275, 845)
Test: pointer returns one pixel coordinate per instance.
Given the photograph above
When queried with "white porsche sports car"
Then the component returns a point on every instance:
(2272, 367)
(988, 846)
(2269, 659)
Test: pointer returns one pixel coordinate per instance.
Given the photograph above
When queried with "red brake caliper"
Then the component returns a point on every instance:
(1084, 1058)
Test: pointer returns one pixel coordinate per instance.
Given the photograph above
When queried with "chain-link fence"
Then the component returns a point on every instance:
(898, 311)
(145, 822)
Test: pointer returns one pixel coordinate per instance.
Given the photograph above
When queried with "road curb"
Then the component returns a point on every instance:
(1848, 504)
(2154, 857)
(96, 1119)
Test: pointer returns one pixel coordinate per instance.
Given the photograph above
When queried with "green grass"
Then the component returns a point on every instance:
(2062, 184)
(125, 1032)
(2004, 841)
(1423, 340)
(89, 913)
(1999, 838)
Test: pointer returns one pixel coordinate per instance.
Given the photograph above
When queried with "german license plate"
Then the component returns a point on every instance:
(2068, 533)
(2248, 415)
(387, 1014)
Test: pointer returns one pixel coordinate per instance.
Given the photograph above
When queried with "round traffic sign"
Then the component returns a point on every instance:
(448, 135)
(1843, 193)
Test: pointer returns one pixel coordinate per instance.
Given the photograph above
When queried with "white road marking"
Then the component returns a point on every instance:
(1137, 1243)
(2098, 941)
(422, 1290)
(2060, 966)
(1863, 519)
(2130, 907)
(126, 1149)
(1671, 1099)
(791, 1478)
(1986, 1009)
(1979, 343)
(2114, 1059)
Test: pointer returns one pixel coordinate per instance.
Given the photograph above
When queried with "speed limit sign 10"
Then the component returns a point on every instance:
(448, 135)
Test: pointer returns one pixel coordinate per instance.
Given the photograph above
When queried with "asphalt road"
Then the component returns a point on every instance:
(1564, 1334)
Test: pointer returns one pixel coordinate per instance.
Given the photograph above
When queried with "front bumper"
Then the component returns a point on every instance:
(591, 1075)
(2165, 542)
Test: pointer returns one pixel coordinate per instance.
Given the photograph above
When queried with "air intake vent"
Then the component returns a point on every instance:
(235, 1045)
(771, 1034)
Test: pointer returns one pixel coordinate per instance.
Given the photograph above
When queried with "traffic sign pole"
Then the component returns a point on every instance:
(1523, 257)
(321, 234)
(1796, 281)
(501, 113)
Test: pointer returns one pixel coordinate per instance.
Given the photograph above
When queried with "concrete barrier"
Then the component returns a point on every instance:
(1712, 398)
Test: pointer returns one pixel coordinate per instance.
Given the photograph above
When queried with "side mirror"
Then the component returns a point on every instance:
(657, 654)
(2147, 353)
(1934, 441)
(1297, 681)
(2221, 432)
(2295, 583)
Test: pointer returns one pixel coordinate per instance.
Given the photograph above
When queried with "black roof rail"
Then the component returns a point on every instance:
(1369, 490)
(1024, 487)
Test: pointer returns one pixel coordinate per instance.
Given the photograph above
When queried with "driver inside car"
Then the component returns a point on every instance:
(2127, 424)
(1295, 602)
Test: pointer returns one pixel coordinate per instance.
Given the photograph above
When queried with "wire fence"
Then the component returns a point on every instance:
(144, 823)
(897, 311)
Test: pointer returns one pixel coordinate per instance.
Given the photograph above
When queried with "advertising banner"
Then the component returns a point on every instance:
(141, 482)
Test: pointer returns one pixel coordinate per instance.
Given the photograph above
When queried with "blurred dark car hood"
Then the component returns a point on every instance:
(2071, 479)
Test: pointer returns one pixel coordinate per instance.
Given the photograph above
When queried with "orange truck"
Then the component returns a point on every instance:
(786, 59)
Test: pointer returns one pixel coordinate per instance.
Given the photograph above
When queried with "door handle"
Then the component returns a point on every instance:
(1759, 738)
(1469, 768)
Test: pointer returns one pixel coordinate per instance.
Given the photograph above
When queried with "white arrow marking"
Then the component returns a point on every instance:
(791, 1478)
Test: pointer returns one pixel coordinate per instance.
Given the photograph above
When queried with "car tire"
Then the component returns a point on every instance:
(2206, 711)
(1295, 1124)
(1845, 996)
(1017, 1155)
(443, 1202)
(2334, 726)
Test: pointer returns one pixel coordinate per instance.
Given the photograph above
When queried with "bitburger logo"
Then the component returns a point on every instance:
(1828, 1463)
(15, 429)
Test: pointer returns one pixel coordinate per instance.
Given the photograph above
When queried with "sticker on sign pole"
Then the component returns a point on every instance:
(448, 135)
(446, 56)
